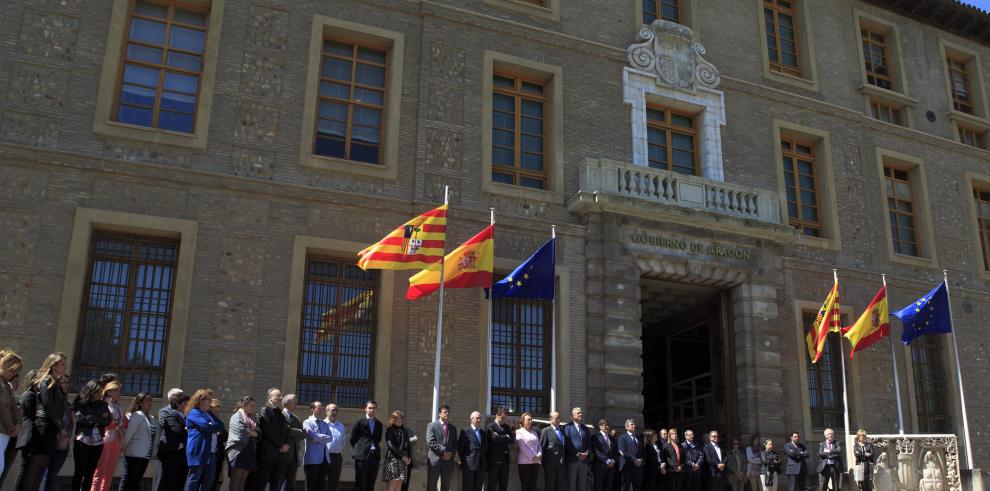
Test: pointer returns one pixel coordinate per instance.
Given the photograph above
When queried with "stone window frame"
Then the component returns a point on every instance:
(688, 17)
(113, 58)
(980, 119)
(806, 53)
(975, 181)
(395, 44)
(564, 335)
(924, 228)
(306, 246)
(553, 160)
(896, 97)
(549, 10)
(669, 129)
(88, 220)
(825, 179)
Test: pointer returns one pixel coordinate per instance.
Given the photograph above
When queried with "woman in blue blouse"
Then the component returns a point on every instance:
(202, 444)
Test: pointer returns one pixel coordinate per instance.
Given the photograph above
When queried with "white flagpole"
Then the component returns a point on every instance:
(436, 360)
(842, 362)
(553, 329)
(491, 304)
(893, 362)
(962, 397)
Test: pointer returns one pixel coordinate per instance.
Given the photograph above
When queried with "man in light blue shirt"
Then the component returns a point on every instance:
(316, 462)
(337, 431)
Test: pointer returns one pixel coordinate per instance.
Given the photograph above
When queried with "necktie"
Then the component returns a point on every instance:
(557, 430)
(677, 453)
(446, 437)
(477, 433)
(608, 444)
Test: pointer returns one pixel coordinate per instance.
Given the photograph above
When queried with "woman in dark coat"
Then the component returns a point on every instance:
(769, 467)
(45, 421)
(92, 417)
(397, 458)
(865, 460)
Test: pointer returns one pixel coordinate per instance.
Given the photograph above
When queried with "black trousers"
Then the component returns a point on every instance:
(174, 470)
(529, 475)
(316, 475)
(603, 477)
(365, 472)
(472, 480)
(675, 481)
(289, 479)
(796, 482)
(334, 466)
(555, 477)
(632, 478)
(498, 476)
(134, 468)
(691, 481)
(270, 474)
(86, 458)
(716, 483)
(830, 472)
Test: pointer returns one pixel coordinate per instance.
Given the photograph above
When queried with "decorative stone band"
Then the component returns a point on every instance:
(916, 462)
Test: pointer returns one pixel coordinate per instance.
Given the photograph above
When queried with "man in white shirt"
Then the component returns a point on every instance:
(715, 460)
(334, 448)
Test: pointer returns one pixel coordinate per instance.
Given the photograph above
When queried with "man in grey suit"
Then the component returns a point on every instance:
(797, 456)
(552, 445)
(441, 443)
(830, 462)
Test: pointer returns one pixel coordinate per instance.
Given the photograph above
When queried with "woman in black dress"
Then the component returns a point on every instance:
(397, 458)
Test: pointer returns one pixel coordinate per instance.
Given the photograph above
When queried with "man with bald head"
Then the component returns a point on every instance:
(472, 445)
(553, 447)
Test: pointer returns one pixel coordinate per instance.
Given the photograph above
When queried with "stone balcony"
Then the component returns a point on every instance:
(617, 187)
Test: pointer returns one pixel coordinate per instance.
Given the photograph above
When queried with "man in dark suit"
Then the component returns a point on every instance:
(606, 462)
(577, 451)
(366, 438)
(715, 460)
(797, 456)
(674, 470)
(171, 447)
(274, 447)
(830, 462)
(552, 446)
(441, 443)
(296, 435)
(694, 460)
(500, 439)
(631, 464)
(472, 446)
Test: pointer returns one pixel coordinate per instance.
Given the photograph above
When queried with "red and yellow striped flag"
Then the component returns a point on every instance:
(872, 326)
(828, 320)
(470, 265)
(417, 244)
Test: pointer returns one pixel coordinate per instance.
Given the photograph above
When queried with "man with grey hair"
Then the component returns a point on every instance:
(171, 451)
(296, 435)
(273, 449)
(553, 448)
(472, 445)
(830, 462)
(631, 463)
(577, 448)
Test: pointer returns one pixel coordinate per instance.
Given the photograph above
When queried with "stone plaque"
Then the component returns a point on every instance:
(38, 86)
(49, 35)
(268, 28)
(262, 75)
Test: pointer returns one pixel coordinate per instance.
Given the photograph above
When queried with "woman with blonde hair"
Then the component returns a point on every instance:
(10, 413)
(44, 411)
(397, 458)
(530, 453)
(769, 467)
(242, 443)
(112, 437)
(202, 442)
(865, 460)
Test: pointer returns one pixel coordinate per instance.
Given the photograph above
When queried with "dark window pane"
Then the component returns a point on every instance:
(175, 121)
(370, 75)
(502, 177)
(141, 76)
(185, 61)
(187, 39)
(181, 83)
(144, 53)
(189, 17)
(137, 96)
(364, 152)
(178, 102)
(134, 115)
(329, 148)
(147, 31)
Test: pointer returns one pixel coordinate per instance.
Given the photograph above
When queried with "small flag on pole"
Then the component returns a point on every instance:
(417, 244)
(470, 265)
(872, 326)
(828, 320)
(534, 278)
(927, 315)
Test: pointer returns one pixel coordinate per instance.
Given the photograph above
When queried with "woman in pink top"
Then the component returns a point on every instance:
(529, 453)
(103, 477)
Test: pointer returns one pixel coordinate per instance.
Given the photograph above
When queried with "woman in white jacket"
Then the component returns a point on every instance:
(137, 442)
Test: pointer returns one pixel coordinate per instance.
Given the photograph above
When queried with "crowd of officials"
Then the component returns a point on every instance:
(264, 447)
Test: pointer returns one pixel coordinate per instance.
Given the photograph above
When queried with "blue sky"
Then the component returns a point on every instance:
(983, 4)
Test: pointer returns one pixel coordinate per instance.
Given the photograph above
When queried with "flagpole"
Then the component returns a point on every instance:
(962, 397)
(893, 362)
(436, 359)
(842, 361)
(553, 329)
(491, 304)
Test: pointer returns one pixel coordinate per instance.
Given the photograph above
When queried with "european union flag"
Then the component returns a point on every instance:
(532, 279)
(927, 315)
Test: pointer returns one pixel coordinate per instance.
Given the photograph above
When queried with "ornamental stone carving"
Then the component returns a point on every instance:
(917, 463)
(668, 49)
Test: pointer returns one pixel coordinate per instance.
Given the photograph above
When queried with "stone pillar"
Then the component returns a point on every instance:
(758, 363)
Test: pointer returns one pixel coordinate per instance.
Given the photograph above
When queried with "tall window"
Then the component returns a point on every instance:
(982, 198)
(661, 9)
(802, 189)
(127, 310)
(780, 19)
(900, 207)
(352, 102)
(875, 55)
(886, 112)
(521, 347)
(672, 138)
(825, 382)
(337, 336)
(519, 131)
(929, 385)
(163, 66)
(962, 98)
(972, 137)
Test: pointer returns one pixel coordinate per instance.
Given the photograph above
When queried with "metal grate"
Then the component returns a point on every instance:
(521, 355)
(825, 383)
(930, 385)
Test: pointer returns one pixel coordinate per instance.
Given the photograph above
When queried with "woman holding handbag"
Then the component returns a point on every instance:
(769, 467)
(46, 402)
(865, 460)
(112, 436)
(397, 458)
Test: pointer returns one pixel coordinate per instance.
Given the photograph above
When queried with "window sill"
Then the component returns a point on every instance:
(150, 135)
(921, 262)
(819, 242)
(886, 95)
(382, 171)
(549, 13)
(520, 192)
(969, 120)
(804, 83)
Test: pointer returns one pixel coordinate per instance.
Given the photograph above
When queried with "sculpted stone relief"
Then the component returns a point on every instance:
(669, 50)
(917, 463)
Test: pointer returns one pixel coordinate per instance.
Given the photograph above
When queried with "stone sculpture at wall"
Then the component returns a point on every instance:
(899, 467)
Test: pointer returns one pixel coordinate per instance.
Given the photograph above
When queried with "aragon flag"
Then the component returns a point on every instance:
(828, 320)
(417, 244)
(872, 326)
(468, 266)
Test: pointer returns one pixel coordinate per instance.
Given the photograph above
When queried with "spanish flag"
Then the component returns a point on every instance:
(828, 320)
(872, 326)
(470, 265)
(417, 244)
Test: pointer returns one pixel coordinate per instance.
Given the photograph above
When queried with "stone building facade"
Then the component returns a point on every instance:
(650, 260)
